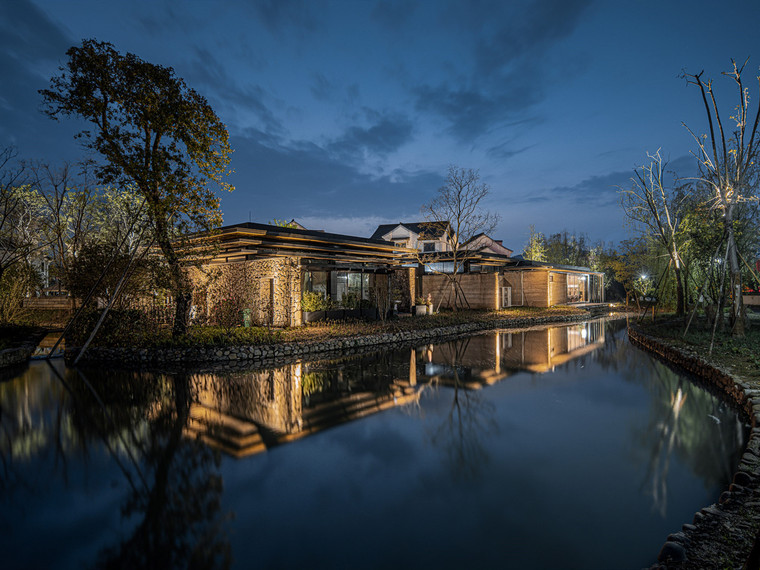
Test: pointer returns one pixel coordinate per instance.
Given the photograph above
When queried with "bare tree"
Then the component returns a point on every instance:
(70, 205)
(458, 207)
(728, 165)
(655, 205)
(19, 223)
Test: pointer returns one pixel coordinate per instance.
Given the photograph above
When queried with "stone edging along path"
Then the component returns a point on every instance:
(721, 535)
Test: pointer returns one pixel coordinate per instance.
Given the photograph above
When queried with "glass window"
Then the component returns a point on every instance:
(316, 282)
(428, 246)
(576, 288)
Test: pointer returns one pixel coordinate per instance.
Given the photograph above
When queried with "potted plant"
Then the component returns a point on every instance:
(420, 306)
(350, 302)
(313, 306)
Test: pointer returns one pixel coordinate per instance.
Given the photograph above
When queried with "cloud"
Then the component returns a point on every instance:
(31, 48)
(235, 98)
(510, 71)
(363, 226)
(598, 190)
(386, 135)
(505, 152)
(321, 87)
(280, 16)
(304, 181)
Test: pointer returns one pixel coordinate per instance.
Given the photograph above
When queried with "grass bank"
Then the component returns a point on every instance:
(121, 329)
(740, 356)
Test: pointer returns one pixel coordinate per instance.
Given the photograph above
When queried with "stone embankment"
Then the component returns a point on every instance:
(284, 351)
(721, 535)
(17, 355)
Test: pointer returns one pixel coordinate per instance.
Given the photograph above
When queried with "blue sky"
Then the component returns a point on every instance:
(345, 115)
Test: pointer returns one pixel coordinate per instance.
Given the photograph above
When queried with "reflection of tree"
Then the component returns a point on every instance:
(685, 420)
(611, 354)
(468, 420)
(181, 525)
(173, 482)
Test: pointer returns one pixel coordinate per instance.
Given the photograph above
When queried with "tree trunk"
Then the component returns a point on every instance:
(680, 300)
(737, 305)
(182, 301)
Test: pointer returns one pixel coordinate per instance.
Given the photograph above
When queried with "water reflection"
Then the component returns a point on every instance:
(481, 414)
(172, 501)
(687, 422)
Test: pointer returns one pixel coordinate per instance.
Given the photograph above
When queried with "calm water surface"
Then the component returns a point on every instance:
(562, 447)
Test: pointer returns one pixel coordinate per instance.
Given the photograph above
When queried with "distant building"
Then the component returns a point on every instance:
(427, 237)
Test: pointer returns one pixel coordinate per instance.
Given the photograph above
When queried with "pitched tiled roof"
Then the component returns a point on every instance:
(429, 229)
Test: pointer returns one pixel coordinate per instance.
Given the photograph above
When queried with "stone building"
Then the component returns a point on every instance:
(269, 268)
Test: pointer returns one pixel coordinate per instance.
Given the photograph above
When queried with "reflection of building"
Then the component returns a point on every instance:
(485, 359)
(246, 413)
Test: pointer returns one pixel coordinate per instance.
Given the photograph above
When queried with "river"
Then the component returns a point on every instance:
(554, 447)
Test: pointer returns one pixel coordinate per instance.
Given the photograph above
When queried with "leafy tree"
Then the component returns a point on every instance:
(567, 249)
(458, 207)
(284, 224)
(626, 266)
(536, 248)
(68, 204)
(157, 136)
(15, 283)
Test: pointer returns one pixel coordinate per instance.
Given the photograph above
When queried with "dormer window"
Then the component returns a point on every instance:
(428, 247)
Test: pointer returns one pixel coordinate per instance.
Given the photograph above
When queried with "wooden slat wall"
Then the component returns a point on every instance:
(559, 288)
(535, 283)
(479, 288)
(56, 303)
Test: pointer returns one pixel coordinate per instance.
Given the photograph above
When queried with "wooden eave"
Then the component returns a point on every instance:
(247, 243)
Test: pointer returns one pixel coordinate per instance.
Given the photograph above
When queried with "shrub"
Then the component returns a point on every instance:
(350, 300)
(228, 313)
(126, 327)
(311, 301)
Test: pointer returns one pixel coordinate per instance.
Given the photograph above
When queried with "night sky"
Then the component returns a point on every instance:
(346, 115)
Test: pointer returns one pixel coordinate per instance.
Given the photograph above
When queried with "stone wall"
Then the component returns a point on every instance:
(271, 288)
(286, 351)
(18, 355)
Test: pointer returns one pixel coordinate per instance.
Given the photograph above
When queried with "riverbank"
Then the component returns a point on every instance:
(17, 343)
(722, 535)
(329, 338)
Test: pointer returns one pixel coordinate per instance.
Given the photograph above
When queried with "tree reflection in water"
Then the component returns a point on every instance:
(469, 420)
(177, 499)
(684, 420)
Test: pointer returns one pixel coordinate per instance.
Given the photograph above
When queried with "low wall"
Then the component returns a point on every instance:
(51, 303)
(267, 353)
(18, 355)
(729, 528)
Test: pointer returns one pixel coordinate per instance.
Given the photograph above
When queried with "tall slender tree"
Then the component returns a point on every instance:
(728, 162)
(157, 136)
(458, 208)
(654, 205)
